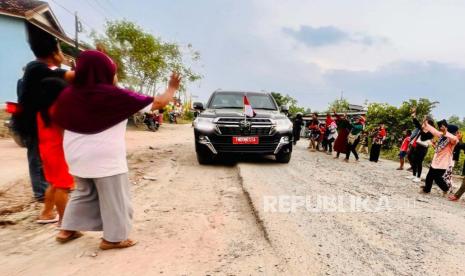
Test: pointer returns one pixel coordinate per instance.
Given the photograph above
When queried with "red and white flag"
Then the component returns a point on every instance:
(248, 110)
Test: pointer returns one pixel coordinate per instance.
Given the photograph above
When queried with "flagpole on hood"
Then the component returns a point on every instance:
(245, 115)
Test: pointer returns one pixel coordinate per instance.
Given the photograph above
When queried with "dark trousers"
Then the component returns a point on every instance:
(435, 175)
(39, 184)
(375, 152)
(418, 158)
(330, 145)
(410, 155)
(324, 144)
(352, 148)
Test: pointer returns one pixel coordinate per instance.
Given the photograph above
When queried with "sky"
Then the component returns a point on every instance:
(315, 51)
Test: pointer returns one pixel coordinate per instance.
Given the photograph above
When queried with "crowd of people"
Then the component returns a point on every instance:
(73, 125)
(349, 136)
(342, 135)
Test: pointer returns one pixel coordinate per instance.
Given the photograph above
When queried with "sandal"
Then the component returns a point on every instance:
(105, 245)
(73, 236)
(47, 221)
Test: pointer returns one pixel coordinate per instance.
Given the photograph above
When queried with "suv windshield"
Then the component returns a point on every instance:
(236, 100)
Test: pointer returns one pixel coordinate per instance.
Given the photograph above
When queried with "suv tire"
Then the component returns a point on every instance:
(283, 157)
(204, 157)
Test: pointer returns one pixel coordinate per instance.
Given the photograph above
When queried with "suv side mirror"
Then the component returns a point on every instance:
(284, 108)
(198, 106)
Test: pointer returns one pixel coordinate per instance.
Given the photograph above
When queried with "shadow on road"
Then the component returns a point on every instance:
(233, 159)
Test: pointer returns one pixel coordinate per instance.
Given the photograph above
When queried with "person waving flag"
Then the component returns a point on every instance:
(248, 110)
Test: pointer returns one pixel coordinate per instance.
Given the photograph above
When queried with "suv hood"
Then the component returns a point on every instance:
(269, 114)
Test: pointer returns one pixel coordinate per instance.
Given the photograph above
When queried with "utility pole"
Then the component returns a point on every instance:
(77, 30)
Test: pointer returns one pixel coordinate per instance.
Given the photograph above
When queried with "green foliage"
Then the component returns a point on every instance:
(289, 101)
(188, 116)
(455, 120)
(397, 119)
(340, 105)
(143, 60)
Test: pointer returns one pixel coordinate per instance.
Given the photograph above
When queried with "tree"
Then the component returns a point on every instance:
(144, 61)
(289, 101)
(397, 119)
(340, 105)
(455, 120)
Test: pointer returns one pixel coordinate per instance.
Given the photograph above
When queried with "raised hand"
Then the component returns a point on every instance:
(163, 99)
(175, 81)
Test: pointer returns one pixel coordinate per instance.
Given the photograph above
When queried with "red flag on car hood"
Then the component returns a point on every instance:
(248, 110)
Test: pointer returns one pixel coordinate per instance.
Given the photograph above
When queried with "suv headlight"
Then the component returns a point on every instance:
(283, 125)
(204, 124)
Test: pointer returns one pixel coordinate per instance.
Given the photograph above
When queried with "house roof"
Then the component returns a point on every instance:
(37, 13)
(20, 7)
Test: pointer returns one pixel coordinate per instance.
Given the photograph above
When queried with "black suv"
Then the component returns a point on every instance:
(222, 127)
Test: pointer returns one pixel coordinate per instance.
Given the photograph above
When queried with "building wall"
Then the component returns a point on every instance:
(14, 55)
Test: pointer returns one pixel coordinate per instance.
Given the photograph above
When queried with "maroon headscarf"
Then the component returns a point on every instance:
(92, 103)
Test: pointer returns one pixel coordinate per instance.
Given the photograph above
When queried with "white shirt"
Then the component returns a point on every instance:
(97, 155)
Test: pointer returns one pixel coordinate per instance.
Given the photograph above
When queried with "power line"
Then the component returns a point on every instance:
(96, 9)
(100, 6)
(113, 7)
(72, 13)
(106, 9)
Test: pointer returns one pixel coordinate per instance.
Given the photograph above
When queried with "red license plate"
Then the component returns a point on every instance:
(245, 140)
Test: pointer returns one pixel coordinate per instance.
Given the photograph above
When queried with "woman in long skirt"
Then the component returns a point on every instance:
(94, 112)
(378, 141)
(343, 125)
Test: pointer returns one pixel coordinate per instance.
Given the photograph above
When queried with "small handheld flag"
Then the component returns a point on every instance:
(248, 110)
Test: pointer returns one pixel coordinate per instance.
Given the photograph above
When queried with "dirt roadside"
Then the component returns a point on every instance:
(189, 220)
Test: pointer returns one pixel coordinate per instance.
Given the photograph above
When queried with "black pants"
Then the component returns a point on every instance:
(410, 155)
(435, 175)
(375, 152)
(352, 148)
(418, 158)
(330, 145)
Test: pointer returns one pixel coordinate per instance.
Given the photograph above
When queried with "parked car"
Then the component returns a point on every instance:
(221, 127)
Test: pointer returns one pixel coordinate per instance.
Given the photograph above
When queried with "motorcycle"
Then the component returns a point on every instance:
(173, 117)
(151, 121)
(13, 109)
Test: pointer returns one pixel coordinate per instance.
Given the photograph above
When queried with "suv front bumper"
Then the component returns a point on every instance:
(272, 144)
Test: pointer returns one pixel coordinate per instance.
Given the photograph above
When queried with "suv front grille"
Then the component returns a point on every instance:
(228, 127)
(235, 131)
(236, 120)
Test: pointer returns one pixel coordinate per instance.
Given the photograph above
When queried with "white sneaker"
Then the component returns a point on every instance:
(410, 177)
(417, 180)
